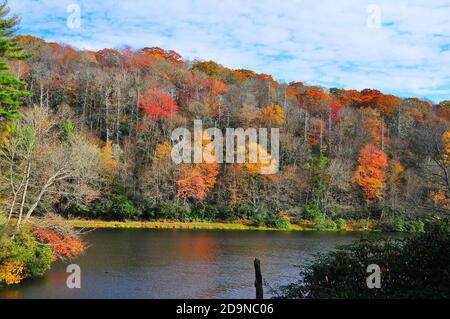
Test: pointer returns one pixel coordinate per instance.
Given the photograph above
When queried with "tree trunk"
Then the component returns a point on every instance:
(118, 117)
(24, 194)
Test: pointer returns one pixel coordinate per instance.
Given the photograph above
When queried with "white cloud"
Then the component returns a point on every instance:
(319, 42)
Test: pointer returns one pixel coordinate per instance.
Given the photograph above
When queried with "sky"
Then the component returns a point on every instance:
(396, 46)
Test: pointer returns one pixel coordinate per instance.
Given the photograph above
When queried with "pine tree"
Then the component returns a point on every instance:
(12, 90)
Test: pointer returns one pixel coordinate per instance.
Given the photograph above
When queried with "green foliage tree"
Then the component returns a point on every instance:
(12, 90)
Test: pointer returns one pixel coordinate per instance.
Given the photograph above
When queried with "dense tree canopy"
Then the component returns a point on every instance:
(344, 153)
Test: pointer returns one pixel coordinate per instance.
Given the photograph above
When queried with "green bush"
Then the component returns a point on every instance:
(270, 220)
(175, 211)
(364, 224)
(357, 214)
(325, 224)
(207, 212)
(23, 247)
(416, 266)
(402, 224)
(313, 211)
(341, 223)
(123, 209)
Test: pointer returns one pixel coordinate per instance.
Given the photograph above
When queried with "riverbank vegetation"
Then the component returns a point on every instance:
(304, 225)
(414, 267)
(32, 164)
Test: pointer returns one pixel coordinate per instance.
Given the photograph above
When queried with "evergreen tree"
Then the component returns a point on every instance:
(12, 90)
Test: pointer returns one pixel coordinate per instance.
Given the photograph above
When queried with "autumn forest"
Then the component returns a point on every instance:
(86, 141)
(100, 125)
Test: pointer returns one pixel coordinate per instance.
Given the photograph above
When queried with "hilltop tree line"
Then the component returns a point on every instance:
(92, 139)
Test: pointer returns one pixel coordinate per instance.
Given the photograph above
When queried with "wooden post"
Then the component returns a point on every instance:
(258, 280)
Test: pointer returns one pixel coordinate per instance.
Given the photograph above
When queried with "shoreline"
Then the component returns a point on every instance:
(352, 226)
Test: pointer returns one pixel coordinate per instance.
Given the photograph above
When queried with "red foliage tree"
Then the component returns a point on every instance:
(64, 244)
(157, 104)
(335, 109)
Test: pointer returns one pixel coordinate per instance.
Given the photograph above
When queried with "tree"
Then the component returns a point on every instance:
(41, 169)
(444, 110)
(107, 165)
(12, 90)
(272, 116)
(156, 104)
(370, 172)
(197, 181)
(211, 68)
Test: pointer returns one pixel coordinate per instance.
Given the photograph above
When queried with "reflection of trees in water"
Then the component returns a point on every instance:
(199, 246)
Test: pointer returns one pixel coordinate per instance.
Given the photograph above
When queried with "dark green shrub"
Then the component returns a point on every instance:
(175, 211)
(416, 266)
(325, 224)
(402, 224)
(270, 220)
(123, 209)
(313, 211)
(364, 224)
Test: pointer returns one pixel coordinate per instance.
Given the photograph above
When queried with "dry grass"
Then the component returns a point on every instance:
(305, 225)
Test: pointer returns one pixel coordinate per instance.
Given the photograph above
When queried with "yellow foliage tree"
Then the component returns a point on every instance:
(446, 139)
(272, 116)
(12, 272)
(107, 164)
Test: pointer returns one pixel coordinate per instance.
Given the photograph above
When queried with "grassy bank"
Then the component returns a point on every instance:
(302, 226)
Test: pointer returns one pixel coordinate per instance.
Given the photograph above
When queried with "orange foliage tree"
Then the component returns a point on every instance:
(197, 181)
(316, 101)
(370, 173)
(63, 244)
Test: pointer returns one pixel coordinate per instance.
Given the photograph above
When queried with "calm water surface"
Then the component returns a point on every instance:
(144, 263)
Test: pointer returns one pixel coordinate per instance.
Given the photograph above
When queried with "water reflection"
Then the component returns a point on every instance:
(133, 263)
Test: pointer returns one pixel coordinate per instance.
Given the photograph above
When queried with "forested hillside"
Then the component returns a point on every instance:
(94, 142)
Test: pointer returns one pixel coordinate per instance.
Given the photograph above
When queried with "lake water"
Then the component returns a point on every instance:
(145, 263)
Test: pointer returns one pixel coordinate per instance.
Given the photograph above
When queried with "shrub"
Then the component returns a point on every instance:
(313, 211)
(207, 212)
(416, 266)
(123, 209)
(364, 224)
(341, 224)
(22, 256)
(325, 224)
(279, 221)
(402, 224)
(173, 210)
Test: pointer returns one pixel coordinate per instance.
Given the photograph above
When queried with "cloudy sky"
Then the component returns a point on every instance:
(397, 46)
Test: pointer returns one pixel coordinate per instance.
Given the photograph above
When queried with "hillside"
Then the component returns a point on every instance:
(343, 153)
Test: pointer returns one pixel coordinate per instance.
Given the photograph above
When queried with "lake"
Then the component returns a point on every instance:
(146, 263)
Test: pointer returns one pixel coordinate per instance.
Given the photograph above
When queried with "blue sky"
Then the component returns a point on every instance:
(396, 46)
